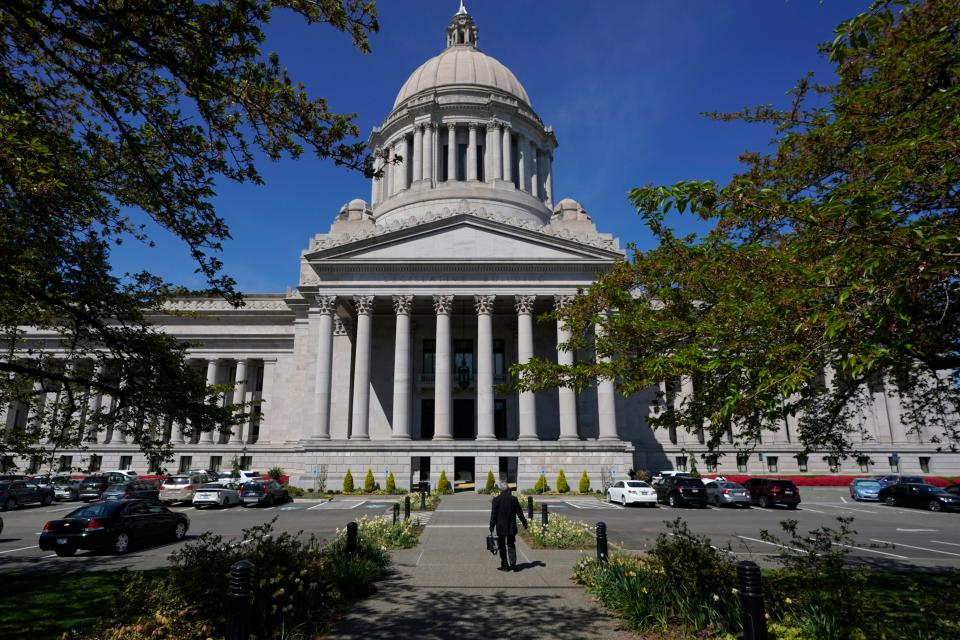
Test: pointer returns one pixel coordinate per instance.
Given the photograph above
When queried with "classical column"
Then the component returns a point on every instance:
(94, 402)
(487, 155)
(497, 157)
(472, 152)
(376, 183)
(207, 436)
(405, 152)
(606, 400)
(451, 152)
(327, 306)
(484, 306)
(527, 401)
(523, 156)
(428, 153)
(266, 396)
(417, 153)
(443, 378)
(239, 397)
(548, 178)
(507, 155)
(891, 399)
(567, 396)
(401, 368)
(534, 172)
(685, 397)
(361, 369)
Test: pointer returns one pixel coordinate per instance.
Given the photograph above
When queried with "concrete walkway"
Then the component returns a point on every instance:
(449, 587)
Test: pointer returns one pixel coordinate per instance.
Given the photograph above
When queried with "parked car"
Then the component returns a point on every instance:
(206, 475)
(66, 488)
(179, 488)
(215, 495)
(263, 492)
(865, 489)
(682, 491)
(724, 492)
(953, 489)
(767, 492)
(14, 493)
(92, 487)
(924, 496)
(898, 479)
(628, 492)
(1, 526)
(131, 489)
(239, 478)
(129, 474)
(114, 526)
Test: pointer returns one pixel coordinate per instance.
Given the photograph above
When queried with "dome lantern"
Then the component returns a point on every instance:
(462, 31)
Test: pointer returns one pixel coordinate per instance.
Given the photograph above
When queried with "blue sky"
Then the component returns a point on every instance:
(622, 82)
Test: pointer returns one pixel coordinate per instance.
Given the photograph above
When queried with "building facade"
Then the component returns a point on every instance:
(393, 351)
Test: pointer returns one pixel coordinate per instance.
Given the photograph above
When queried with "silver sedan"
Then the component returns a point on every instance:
(724, 492)
(215, 495)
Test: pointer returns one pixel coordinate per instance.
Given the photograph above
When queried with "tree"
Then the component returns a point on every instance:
(115, 118)
(491, 482)
(584, 483)
(443, 485)
(275, 473)
(348, 482)
(562, 485)
(831, 272)
(541, 485)
(391, 483)
(369, 484)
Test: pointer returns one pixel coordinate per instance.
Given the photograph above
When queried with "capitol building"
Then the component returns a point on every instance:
(393, 351)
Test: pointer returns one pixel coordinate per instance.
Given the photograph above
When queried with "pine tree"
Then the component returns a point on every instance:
(369, 484)
(443, 485)
(584, 483)
(491, 483)
(562, 485)
(348, 482)
(541, 486)
(391, 483)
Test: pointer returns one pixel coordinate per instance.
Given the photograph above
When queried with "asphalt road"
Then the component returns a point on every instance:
(886, 536)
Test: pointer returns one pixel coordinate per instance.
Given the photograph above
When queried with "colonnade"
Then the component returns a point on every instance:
(444, 374)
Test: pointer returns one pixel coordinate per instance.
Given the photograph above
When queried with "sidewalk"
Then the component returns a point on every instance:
(449, 587)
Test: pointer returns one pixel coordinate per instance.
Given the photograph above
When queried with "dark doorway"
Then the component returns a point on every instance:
(463, 420)
(419, 470)
(500, 419)
(426, 419)
(463, 474)
(508, 470)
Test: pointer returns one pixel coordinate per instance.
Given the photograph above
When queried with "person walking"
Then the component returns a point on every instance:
(503, 517)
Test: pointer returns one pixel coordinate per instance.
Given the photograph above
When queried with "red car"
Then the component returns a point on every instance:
(767, 492)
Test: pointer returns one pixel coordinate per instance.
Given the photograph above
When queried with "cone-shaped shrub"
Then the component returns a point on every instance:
(443, 485)
(491, 483)
(584, 483)
(348, 482)
(562, 486)
(391, 483)
(369, 484)
(541, 486)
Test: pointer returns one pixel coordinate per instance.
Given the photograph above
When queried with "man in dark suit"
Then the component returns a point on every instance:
(503, 516)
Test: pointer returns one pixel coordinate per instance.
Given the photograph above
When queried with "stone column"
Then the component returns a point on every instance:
(548, 178)
(507, 155)
(417, 153)
(484, 306)
(443, 378)
(567, 396)
(239, 397)
(327, 306)
(606, 398)
(472, 153)
(361, 369)
(685, 397)
(428, 153)
(176, 433)
(891, 399)
(35, 408)
(497, 163)
(401, 368)
(375, 183)
(523, 157)
(487, 155)
(451, 152)
(266, 396)
(405, 152)
(212, 365)
(94, 402)
(534, 172)
(527, 400)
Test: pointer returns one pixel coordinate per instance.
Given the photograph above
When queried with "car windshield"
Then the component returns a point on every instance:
(117, 487)
(253, 486)
(178, 480)
(730, 485)
(97, 510)
(637, 483)
(868, 484)
(95, 480)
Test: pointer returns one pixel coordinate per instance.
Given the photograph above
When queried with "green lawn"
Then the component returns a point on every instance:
(39, 606)
(914, 605)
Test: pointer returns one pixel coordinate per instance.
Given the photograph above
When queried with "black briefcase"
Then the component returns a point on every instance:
(492, 543)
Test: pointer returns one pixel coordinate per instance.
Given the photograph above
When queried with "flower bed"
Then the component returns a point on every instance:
(561, 533)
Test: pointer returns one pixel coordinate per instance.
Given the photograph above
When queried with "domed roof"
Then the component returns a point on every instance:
(461, 66)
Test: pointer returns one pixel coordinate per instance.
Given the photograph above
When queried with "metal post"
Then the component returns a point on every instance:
(751, 601)
(543, 519)
(406, 507)
(602, 554)
(529, 507)
(351, 537)
(240, 595)
(423, 500)
(396, 513)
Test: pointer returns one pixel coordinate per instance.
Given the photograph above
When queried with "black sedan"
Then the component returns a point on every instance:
(113, 526)
(924, 496)
(678, 491)
(263, 492)
(14, 493)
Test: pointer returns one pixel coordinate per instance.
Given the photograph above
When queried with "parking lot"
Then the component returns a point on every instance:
(886, 536)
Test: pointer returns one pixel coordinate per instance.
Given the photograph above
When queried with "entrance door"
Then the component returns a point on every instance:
(464, 427)
(426, 419)
(463, 474)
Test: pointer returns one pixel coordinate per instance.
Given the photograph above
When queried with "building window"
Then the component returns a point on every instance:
(126, 462)
(672, 432)
(772, 464)
(463, 355)
(864, 463)
(429, 357)
(154, 464)
(802, 462)
(711, 461)
(925, 464)
(834, 463)
(499, 359)
(894, 464)
(215, 463)
(34, 466)
(742, 462)
(185, 463)
(259, 384)
(95, 463)
(66, 463)
(681, 463)
(255, 425)
(246, 462)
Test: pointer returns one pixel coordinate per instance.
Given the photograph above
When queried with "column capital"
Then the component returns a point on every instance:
(402, 304)
(341, 327)
(363, 304)
(473, 125)
(326, 304)
(484, 304)
(451, 126)
(562, 302)
(524, 304)
(443, 304)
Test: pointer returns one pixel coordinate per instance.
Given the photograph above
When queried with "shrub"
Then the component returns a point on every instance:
(443, 485)
(369, 483)
(391, 483)
(562, 533)
(348, 482)
(584, 483)
(381, 532)
(275, 473)
(692, 564)
(491, 482)
(562, 485)
(294, 491)
(541, 486)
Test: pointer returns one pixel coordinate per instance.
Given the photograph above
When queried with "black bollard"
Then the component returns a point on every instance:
(602, 554)
(751, 601)
(543, 519)
(529, 507)
(396, 513)
(240, 596)
(423, 500)
(406, 507)
(351, 537)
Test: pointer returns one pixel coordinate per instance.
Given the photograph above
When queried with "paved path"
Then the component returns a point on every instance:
(449, 587)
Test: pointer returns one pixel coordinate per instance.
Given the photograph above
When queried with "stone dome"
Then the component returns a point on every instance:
(461, 65)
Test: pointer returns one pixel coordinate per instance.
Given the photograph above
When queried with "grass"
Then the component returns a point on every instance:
(913, 605)
(42, 605)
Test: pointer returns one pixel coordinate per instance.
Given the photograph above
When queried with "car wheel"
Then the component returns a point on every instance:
(180, 531)
(121, 544)
(65, 553)
(791, 506)
(934, 505)
(609, 497)
(891, 501)
(623, 501)
(764, 503)
(672, 501)
(47, 500)
(197, 507)
(716, 501)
